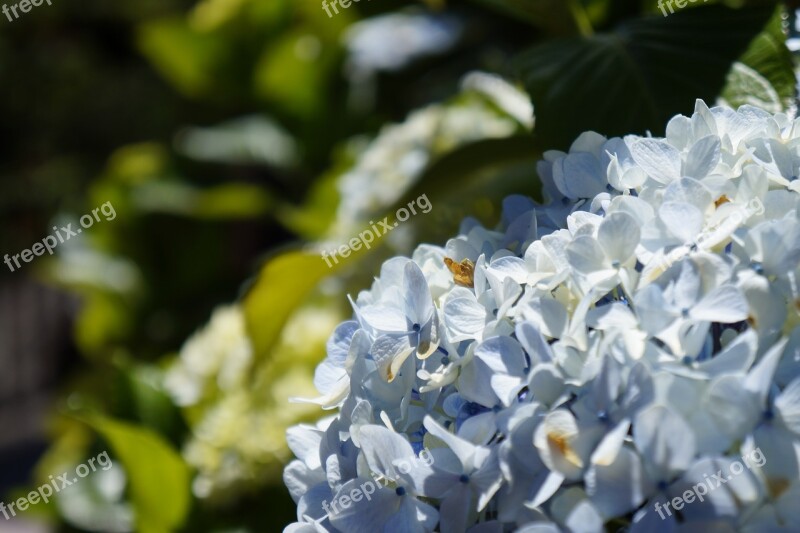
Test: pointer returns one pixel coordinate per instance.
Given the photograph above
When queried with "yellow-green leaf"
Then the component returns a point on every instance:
(159, 480)
(284, 283)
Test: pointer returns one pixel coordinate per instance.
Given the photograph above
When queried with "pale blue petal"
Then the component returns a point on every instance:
(665, 441)
(419, 304)
(585, 255)
(413, 516)
(339, 342)
(464, 318)
(382, 448)
(618, 488)
(725, 305)
(368, 515)
(658, 158)
(456, 509)
(574, 511)
(384, 318)
(534, 343)
(736, 358)
(788, 406)
(703, 157)
(618, 236)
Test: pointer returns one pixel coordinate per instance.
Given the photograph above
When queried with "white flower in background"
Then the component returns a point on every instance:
(391, 164)
(510, 99)
(587, 358)
(236, 406)
(390, 42)
(215, 358)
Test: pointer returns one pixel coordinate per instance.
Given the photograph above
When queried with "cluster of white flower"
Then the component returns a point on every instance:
(488, 108)
(235, 405)
(215, 359)
(586, 360)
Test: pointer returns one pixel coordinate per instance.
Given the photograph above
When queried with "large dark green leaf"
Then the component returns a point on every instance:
(764, 76)
(635, 79)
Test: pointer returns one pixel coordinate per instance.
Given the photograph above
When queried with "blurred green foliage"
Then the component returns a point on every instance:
(222, 130)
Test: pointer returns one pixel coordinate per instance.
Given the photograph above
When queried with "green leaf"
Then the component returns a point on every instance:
(635, 79)
(101, 323)
(283, 284)
(764, 75)
(313, 219)
(747, 86)
(185, 57)
(159, 480)
(293, 71)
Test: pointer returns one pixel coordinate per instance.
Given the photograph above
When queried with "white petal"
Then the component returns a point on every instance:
(734, 409)
(689, 191)
(383, 449)
(658, 158)
(465, 451)
(788, 406)
(509, 267)
(299, 479)
(725, 304)
(455, 509)
(665, 441)
(617, 488)
(684, 220)
(390, 353)
(736, 358)
(555, 439)
(549, 316)
(366, 515)
(419, 304)
(465, 319)
(384, 318)
(413, 516)
(304, 442)
(759, 379)
(606, 452)
(573, 510)
(618, 236)
(546, 383)
(703, 157)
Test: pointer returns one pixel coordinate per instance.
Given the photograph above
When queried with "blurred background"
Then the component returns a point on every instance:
(236, 139)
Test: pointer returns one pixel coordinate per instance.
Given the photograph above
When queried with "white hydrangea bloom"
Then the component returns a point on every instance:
(235, 405)
(215, 358)
(396, 158)
(591, 360)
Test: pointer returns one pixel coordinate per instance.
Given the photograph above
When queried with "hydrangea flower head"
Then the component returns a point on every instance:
(586, 361)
